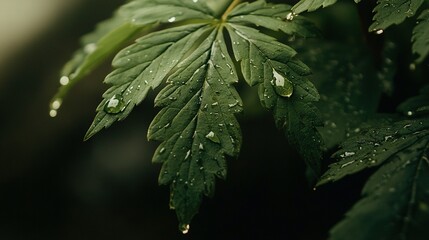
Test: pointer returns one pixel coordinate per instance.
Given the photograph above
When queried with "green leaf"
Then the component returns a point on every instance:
(283, 88)
(113, 33)
(311, 5)
(418, 105)
(343, 81)
(395, 202)
(97, 46)
(390, 12)
(141, 67)
(277, 17)
(421, 36)
(197, 125)
(374, 145)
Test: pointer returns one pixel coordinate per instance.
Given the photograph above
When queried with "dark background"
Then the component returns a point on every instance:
(55, 186)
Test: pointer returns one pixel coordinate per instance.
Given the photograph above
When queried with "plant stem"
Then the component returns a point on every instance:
(229, 9)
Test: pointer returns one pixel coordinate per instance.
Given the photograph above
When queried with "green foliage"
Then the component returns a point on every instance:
(395, 199)
(197, 55)
(421, 36)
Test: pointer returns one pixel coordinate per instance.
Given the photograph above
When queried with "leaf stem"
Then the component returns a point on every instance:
(229, 9)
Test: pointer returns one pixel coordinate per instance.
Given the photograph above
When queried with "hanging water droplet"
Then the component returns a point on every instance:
(184, 228)
(212, 137)
(64, 80)
(379, 31)
(56, 104)
(53, 113)
(172, 19)
(115, 104)
(282, 86)
(409, 113)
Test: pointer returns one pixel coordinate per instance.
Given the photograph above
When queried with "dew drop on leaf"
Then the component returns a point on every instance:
(379, 31)
(290, 16)
(212, 137)
(184, 228)
(53, 113)
(115, 104)
(172, 19)
(282, 86)
(90, 48)
(64, 80)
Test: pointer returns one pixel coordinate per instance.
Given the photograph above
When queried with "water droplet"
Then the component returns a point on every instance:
(379, 31)
(184, 228)
(409, 113)
(412, 66)
(53, 113)
(212, 137)
(386, 138)
(188, 153)
(290, 16)
(64, 80)
(172, 19)
(115, 104)
(282, 86)
(347, 154)
(56, 104)
(90, 48)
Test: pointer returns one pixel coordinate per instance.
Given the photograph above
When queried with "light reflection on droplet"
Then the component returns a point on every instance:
(90, 48)
(64, 80)
(53, 113)
(172, 19)
(55, 105)
(380, 31)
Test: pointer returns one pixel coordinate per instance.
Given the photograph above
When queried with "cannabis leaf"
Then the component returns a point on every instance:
(184, 45)
(395, 202)
(389, 12)
(421, 36)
